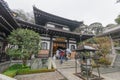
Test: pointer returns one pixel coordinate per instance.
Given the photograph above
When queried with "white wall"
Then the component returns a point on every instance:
(48, 43)
(72, 44)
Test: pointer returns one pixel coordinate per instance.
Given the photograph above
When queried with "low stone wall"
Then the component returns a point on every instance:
(4, 66)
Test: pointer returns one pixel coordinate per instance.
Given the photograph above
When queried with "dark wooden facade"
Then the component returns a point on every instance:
(7, 24)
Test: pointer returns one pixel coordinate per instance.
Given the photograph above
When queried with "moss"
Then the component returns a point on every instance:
(104, 61)
(28, 71)
(18, 69)
(10, 73)
(12, 70)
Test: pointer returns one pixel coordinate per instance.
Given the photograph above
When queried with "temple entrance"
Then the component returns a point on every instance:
(59, 43)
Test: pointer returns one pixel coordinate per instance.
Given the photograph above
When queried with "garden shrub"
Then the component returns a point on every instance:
(28, 71)
(104, 61)
(17, 66)
(10, 73)
(12, 70)
(95, 65)
(19, 69)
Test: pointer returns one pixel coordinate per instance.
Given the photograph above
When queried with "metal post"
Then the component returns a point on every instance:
(98, 71)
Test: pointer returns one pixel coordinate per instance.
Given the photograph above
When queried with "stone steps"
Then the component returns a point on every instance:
(65, 64)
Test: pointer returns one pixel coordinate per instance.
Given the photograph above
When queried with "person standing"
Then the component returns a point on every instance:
(58, 54)
(62, 53)
(68, 53)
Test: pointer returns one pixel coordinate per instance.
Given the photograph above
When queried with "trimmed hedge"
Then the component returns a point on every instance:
(12, 70)
(28, 71)
(19, 69)
(10, 73)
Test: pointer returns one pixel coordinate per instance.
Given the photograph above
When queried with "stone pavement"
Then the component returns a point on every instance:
(106, 70)
(110, 72)
(114, 76)
(69, 73)
(67, 70)
(41, 76)
(60, 74)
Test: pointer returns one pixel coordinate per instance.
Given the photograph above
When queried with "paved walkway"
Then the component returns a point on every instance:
(67, 70)
(107, 73)
(41, 76)
(112, 73)
(114, 76)
(69, 73)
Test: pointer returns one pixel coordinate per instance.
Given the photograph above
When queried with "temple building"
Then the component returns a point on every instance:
(56, 32)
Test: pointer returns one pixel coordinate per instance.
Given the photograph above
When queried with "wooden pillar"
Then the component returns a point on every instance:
(51, 47)
(68, 43)
(77, 41)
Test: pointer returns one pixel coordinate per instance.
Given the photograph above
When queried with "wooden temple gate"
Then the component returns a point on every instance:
(8, 22)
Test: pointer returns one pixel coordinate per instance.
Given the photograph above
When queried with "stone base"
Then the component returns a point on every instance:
(92, 77)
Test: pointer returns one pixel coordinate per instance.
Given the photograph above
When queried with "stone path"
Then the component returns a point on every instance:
(107, 73)
(69, 73)
(113, 76)
(108, 70)
(67, 70)
(41, 76)
(65, 64)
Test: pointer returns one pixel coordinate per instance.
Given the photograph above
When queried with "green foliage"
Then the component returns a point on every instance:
(27, 71)
(19, 69)
(15, 53)
(24, 43)
(10, 73)
(116, 43)
(26, 16)
(95, 65)
(90, 41)
(17, 66)
(12, 70)
(103, 44)
(96, 27)
(118, 51)
(104, 61)
(117, 20)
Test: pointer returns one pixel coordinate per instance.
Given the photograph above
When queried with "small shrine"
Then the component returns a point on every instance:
(86, 54)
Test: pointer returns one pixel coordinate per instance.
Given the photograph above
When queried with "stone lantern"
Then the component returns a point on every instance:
(85, 54)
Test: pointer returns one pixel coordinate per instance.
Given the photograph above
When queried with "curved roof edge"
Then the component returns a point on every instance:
(42, 18)
(6, 12)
